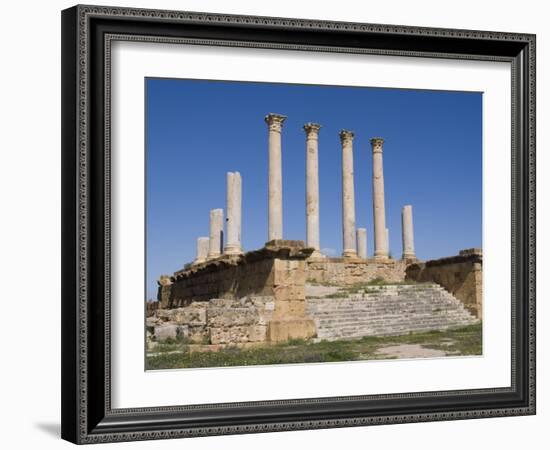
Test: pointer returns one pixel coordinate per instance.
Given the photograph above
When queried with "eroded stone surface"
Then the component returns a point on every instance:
(461, 275)
(344, 271)
(170, 331)
(218, 321)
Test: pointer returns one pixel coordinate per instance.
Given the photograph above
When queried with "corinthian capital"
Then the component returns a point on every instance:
(312, 130)
(377, 143)
(346, 136)
(275, 121)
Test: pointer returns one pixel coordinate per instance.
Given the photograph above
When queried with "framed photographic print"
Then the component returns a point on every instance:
(281, 224)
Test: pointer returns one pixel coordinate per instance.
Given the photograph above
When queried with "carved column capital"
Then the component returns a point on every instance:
(377, 144)
(346, 136)
(275, 121)
(312, 130)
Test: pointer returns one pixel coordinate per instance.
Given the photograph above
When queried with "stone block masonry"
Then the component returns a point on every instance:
(261, 296)
(461, 275)
(277, 271)
(347, 271)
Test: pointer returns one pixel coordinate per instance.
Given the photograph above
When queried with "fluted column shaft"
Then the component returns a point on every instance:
(312, 186)
(275, 124)
(408, 232)
(348, 195)
(216, 233)
(234, 214)
(379, 208)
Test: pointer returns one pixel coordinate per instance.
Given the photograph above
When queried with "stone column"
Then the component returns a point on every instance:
(362, 243)
(312, 187)
(234, 202)
(348, 195)
(380, 237)
(275, 125)
(203, 247)
(408, 233)
(216, 233)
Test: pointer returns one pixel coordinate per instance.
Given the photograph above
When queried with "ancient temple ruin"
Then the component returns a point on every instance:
(289, 290)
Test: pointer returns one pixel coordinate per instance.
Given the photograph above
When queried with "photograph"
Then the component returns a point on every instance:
(301, 223)
(280, 220)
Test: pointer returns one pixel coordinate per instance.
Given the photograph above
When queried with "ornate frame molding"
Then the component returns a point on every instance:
(88, 32)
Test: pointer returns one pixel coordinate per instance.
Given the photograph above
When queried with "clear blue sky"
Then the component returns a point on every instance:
(199, 130)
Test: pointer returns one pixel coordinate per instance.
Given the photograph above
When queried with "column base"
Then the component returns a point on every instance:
(349, 254)
(409, 256)
(381, 257)
(232, 250)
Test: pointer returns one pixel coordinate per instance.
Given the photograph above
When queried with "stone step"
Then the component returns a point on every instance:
(404, 325)
(383, 309)
(391, 310)
(379, 300)
(394, 318)
(387, 312)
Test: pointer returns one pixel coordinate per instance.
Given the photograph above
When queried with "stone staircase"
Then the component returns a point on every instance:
(341, 313)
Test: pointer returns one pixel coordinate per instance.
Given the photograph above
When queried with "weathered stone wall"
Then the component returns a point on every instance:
(228, 277)
(345, 271)
(164, 291)
(231, 277)
(461, 275)
(290, 320)
(218, 321)
(277, 271)
(151, 308)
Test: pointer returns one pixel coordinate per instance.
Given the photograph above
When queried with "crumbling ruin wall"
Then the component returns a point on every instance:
(344, 271)
(461, 275)
(218, 321)
(228, 277)
(277, 271)
(151, 308)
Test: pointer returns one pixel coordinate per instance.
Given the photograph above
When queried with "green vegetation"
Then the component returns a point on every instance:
(172, 355)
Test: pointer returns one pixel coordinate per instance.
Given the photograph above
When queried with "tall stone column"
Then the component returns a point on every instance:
(203, 247)
(312, 187)
(379, 208)
(362, 243)
(348, 195)
(216, 233)
(408, 232)
(275, 125)
(234, 214)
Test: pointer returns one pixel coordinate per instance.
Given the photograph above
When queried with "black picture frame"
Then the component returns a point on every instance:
(87, 416)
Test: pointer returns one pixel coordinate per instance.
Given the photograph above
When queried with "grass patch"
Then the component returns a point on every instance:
(463, 341)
